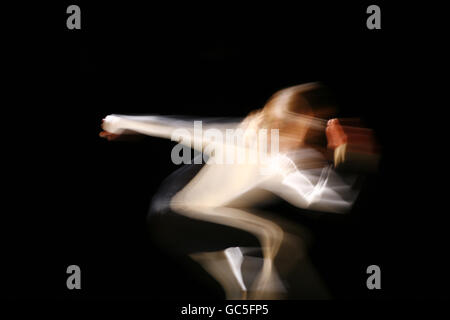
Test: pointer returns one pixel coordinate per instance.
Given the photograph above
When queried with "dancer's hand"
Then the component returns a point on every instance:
(123, 135)
(108, 135)
(346, 137)
(348, 131)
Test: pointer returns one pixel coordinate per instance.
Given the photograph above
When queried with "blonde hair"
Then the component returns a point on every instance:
(293, 111)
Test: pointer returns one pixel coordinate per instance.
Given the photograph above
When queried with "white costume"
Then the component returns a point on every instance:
(225, 193)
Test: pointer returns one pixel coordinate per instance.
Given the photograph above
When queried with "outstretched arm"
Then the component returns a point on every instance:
(177, 128)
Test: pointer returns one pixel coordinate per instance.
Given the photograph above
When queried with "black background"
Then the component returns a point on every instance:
(73, 198)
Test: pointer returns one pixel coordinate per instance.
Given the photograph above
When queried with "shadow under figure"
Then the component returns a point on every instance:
(212, 212)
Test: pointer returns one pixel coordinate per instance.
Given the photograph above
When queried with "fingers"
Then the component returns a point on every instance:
(108, 135)
(335, 134)
(358, 138)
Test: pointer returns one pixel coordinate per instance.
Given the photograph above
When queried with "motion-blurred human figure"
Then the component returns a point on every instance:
(302, 172)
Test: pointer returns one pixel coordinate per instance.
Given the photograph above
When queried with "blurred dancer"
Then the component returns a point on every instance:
(212, 212)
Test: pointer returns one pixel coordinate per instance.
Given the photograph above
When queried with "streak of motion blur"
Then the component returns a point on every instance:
(319, 159)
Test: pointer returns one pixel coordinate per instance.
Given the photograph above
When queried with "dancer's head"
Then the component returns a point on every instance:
(291, 110)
